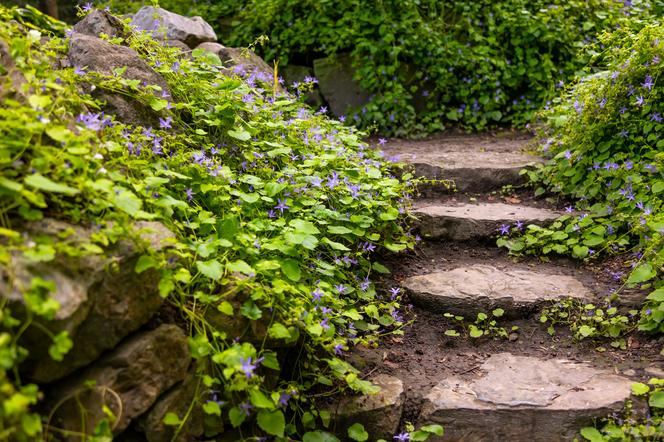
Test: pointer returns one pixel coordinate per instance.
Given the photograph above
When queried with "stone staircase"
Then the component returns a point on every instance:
(530, 387)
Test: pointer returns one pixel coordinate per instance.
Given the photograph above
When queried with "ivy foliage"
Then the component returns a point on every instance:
(275, 211)
(431, 64)
(604, 141)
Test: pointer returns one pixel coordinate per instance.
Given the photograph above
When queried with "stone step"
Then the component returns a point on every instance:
(461, 222)
(478, 288)
(523, 399)
(476, 163)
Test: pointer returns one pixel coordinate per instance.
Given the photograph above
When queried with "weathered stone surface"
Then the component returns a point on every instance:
(100, 303)
(11, 78)
(103, 57)
(460, 222)
(380, 413)
(476, 163)
(482, 288)
(243, 62)
(128, 380)
(190, 30)
(182, 400)
(99, 22)
(524, 399)
(336, 84)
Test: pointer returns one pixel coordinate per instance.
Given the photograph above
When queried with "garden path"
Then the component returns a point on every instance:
(528, 386)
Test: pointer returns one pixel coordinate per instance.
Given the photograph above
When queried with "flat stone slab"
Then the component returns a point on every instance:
(475, 163)
(482, 288)
(461, 222)
(523, 399)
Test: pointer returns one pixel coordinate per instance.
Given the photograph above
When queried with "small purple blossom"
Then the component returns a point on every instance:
(165, 123)
(281, 206)
(504, 229)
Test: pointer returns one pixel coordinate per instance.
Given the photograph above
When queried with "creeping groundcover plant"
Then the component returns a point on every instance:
(275, 211)
(604, 138)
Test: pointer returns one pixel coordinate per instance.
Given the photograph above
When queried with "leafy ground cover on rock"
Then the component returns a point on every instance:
(275, 211)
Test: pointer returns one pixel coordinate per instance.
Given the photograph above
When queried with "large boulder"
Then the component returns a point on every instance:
(183, 400)
(337, 85)
(126, 381)
(99, 22)
(102, 299)
(95, 54)
(190, 30)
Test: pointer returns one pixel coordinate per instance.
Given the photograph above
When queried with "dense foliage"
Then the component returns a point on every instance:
(604, 138)
(273, 206)
(431, 64)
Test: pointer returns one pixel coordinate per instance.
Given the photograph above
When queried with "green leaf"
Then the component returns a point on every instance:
(475, 332)
(158, 104)
(239, 134)
(260, 400)
(279, 331)
(241, 267)
(658, 187)
(145, 262)
(592, 434)
(434, 429)
(60, 346)
(339, 230)
(498, 312)
(303, 226)
(212, 269)
(642, 273)
(319, 436)
(212, 407)
(272, 422)
(171, 419)
(380, 268)
(657, 399)
(639, 389)
(236, 416)
(291, 269)
(127, 202)
(42, 183)
(358, 433)
(335, 245)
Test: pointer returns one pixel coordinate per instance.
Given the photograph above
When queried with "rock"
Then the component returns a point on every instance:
(336, 84)
(128, 381)
(183, 400)
(380, 413)
(524, 399)
(103, 57)
(461, 222)
(294, 73)
(476, 163)
(99, 22)
(190, 30)
(243, 62)
(655, 371)
(11, 78)
(102, 299)
(482, 288)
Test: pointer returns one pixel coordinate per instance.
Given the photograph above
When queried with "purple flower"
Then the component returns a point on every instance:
(190, 194)
(281, 206)
(519, 225)
(648, 84)
(338, 349)
(364, 285)
(504, 229)
(340, 288)
(246, 407)
(248, 368)
(639, 100)
(395, 292)
(333, 181)
(655, 117)
(569, 209)
(403, 437)
(87, 7)
(165, 123)
(317, 294)
(568, 154)
(325, 323)
(382, 141)
(624, 133)
(283, 399)
(79, 71)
